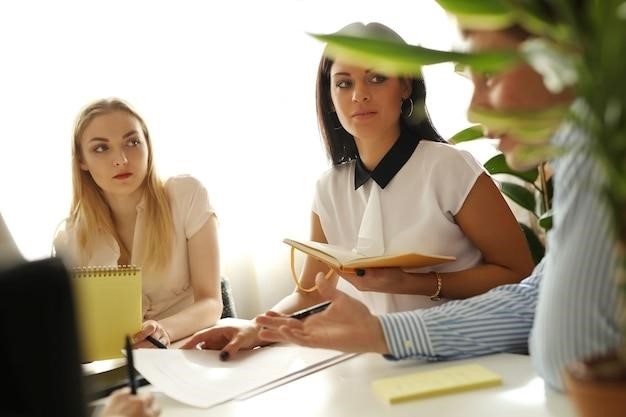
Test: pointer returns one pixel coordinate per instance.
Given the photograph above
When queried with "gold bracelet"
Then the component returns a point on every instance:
(437, 295)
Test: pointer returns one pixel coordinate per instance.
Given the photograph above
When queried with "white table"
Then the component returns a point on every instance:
(344, 390)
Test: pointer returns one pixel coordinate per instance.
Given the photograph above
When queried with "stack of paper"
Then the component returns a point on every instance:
(200, 379)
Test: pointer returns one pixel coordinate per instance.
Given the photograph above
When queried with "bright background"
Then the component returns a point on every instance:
(227, 91)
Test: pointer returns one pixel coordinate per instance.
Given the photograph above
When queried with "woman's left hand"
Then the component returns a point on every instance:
(150, 328)
(388, 280)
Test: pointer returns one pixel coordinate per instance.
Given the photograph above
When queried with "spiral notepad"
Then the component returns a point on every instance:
(108, 303)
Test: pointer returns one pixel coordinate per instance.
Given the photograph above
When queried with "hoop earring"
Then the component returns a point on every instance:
(410, 100)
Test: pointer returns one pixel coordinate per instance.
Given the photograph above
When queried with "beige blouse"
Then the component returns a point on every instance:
(166, 291)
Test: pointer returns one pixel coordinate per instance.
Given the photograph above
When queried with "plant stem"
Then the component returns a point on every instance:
(620, 278)
(544, 187)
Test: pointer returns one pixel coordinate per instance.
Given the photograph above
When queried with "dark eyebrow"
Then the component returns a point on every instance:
(343, 73)
(131, 133)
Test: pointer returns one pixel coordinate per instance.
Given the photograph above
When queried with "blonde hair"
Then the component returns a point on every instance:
(90, 214)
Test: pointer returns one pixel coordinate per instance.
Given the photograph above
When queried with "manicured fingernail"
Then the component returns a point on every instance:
(360, 272)
(224, 355)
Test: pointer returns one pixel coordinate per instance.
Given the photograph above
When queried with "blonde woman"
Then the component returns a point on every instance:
(122, 213)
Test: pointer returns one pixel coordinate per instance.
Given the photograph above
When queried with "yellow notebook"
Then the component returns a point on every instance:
(430, 383)
(108, 305)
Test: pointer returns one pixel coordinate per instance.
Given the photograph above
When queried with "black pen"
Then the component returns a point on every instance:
(300, 315)
(155, 342)
(130, 367)
(304, 313)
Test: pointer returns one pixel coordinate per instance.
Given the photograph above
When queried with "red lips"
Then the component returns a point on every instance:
(363, 113)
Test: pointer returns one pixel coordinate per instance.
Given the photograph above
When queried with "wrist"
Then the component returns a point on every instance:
(436, 296)
(379, 342)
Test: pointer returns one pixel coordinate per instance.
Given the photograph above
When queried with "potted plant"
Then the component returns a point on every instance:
(588, 50)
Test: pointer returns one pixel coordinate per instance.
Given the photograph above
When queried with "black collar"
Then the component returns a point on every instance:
(391, 163)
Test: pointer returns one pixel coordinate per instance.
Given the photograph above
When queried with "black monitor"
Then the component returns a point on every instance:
(41, 371)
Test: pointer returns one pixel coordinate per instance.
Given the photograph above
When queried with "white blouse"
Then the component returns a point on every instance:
(414, 212)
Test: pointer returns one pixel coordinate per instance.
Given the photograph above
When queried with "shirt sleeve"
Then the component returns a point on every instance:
(576, 310)
(464, 168)
(192, 201)
(65, 244)
(498, 321)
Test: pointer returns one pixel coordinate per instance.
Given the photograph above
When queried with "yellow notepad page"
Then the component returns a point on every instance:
(108, 305)
(430, 383)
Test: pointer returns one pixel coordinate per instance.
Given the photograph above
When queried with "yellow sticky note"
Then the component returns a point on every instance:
(430, 383)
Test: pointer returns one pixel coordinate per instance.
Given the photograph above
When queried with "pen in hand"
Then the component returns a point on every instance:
(155, 342)
(299, 315)
(130, 367)
(304, 313)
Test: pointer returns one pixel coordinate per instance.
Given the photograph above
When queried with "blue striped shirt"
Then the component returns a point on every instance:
(575, 315)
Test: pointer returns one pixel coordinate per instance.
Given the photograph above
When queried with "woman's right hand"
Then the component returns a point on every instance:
(228, 335)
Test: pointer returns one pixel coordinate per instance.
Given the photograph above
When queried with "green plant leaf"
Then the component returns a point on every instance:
(403, 59)
(526, 156)
(519, 195)
(500, 14)
(482, 14)
(545, 220)
(498, 165)
(537, 249)
(552, 61)
(483, 7)
(471, 133)
(530, 127)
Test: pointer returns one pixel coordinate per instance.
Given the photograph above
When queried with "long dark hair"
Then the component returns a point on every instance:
(340, 145)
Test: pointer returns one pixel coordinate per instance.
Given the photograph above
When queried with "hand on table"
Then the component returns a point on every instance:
(228, 335)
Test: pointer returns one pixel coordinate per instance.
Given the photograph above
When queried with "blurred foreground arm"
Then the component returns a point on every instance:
(122, 403)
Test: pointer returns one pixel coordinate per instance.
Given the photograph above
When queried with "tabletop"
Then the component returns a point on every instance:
(344, 389)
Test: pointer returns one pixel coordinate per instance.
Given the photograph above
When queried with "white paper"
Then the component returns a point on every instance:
(200, 379)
